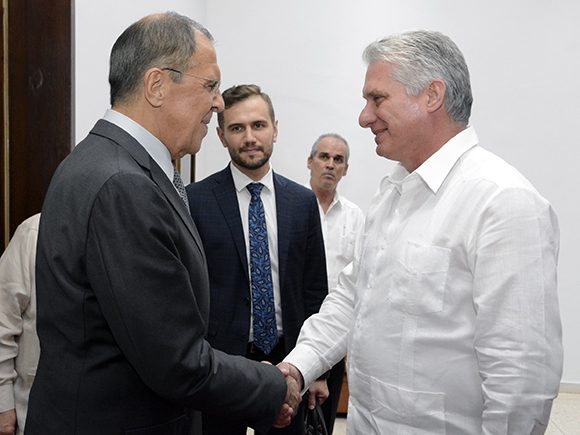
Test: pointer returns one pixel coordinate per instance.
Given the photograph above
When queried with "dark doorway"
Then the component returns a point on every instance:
(38, 99)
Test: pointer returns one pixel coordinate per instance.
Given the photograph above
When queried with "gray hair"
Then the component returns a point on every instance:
(162, 40)
(419, 57)
(314, 149)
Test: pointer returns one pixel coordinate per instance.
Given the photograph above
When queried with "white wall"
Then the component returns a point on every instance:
(524, 57)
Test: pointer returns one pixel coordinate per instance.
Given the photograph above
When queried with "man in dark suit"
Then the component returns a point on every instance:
(123, 291)
(221, 205)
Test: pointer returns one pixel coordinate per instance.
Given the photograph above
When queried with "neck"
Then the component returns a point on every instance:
(151, 122)
(438, 137)
(324, 197)
(255, 174)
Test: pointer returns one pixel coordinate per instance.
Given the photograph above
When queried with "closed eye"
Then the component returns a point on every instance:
(213, 85)
(378, 99)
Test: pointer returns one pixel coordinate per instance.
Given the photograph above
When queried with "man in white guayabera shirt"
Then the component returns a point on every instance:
(449, 311)
(19, 347)
(342, 223)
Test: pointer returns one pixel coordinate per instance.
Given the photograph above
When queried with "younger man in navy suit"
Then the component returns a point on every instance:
(264, 249)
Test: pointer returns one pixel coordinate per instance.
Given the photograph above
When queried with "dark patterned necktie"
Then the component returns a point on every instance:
(178, 183)
(264, 311)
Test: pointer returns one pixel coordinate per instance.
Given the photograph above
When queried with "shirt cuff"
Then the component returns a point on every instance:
(308, 362)
(6, 397)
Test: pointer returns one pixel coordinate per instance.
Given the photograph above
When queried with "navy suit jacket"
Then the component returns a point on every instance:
(302, 265)
(123, 305)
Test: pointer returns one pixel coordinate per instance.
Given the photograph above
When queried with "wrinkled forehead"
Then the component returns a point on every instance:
(332, 146)
(248, 110)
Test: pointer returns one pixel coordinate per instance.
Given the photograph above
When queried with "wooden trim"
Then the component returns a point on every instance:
(5, 130)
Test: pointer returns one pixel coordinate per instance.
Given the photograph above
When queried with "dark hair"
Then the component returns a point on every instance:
(162, 40)
(238, 93)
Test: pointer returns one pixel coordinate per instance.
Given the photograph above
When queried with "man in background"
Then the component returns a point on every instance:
(122, 284)
(19, 346)
(449, 310)
(342, 223)
(264, 246)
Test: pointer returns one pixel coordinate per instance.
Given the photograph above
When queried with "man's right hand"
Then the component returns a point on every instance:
(8, 422)
(291, 370)
(291, 402)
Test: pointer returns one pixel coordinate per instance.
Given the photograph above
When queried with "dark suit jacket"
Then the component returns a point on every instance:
(123, 304)
(302, 265)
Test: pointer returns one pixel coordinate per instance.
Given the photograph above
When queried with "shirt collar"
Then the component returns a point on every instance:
(241, 180)
(436, 168)
(146, 139)
(336, 202)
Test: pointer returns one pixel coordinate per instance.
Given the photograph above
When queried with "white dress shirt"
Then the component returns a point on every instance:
(268, 196)
(449, 310)
(342, 225)
(19, 347)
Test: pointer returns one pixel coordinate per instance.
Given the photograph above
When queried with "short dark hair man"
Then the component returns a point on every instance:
(263, 242)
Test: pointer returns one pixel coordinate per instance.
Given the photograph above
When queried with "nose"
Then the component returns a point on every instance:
(366, 117)
(218, 103)
(249, 136)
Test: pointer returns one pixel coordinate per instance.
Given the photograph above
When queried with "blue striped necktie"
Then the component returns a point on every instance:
(263, 309)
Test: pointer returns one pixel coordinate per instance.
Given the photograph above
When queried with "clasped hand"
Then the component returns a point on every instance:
(292, 400)
(8, 422)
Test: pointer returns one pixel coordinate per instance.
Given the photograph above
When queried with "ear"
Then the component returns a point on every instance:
(275, 131)
(435, 95)
(220, 134)
(309, 163)
(154, 86)
(345, 169)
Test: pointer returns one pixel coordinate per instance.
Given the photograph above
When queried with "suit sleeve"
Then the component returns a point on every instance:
(146, 276)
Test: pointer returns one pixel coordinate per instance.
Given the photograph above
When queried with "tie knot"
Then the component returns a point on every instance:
(255, 189)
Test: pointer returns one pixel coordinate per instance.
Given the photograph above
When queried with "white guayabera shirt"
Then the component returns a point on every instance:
(342, 225)
(19, 346)
(449, 310)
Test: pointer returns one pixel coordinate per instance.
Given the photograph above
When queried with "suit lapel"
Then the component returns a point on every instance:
(284, 206)
(176, 202)
(227, 199)
(143, 159)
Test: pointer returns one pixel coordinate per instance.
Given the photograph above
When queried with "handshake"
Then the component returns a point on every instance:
(295, 382)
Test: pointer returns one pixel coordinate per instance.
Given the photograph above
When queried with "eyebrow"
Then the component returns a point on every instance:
(327, 154)
(374, 93)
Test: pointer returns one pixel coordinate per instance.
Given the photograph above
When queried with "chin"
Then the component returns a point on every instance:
(196, 145)
(383, 151)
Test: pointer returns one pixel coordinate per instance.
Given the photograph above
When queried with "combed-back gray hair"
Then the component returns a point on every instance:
(419, 57)
(164, 40)
(314, 149)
